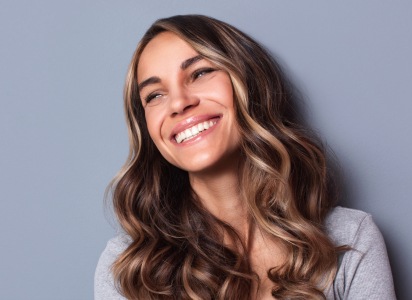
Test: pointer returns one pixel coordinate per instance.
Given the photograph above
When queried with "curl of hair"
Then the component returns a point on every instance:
(177, 249)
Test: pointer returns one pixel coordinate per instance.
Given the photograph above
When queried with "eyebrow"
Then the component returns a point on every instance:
(188, 62)
(149, 81)
(185, 64)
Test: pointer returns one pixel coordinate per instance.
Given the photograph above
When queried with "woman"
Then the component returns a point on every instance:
(225, 195)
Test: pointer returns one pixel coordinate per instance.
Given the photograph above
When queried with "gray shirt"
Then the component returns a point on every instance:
(363, 273)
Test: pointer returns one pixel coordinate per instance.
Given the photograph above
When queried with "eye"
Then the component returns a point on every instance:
(201, 72)
(151, 97)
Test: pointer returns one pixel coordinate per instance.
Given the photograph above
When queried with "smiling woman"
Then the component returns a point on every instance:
(188, 104)
(225, 194)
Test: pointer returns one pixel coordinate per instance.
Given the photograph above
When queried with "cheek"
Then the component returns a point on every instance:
(154, 123)
(151, 125)
(226, 92)
(229, 97)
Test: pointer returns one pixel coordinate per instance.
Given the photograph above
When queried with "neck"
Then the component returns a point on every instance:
(219, 192)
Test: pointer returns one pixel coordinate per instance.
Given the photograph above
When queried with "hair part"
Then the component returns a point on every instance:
(177, 246)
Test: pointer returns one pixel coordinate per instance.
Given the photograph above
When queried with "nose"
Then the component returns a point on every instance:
(182, 100)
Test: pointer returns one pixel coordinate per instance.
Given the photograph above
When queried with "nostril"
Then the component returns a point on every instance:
(187, 107)
(181, 103)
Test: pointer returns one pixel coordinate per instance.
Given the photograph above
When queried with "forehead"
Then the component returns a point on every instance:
(164, 51)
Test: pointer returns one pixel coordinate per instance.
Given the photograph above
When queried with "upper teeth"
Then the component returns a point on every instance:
(193, 131)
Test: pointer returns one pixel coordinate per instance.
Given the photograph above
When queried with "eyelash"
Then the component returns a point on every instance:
(199, 73)
(195, 75)
(150, 97)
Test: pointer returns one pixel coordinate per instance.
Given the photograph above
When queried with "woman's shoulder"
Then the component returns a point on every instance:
(104, 287)
(364, 270)
(118, 243)
(114, 247)
(343, 225)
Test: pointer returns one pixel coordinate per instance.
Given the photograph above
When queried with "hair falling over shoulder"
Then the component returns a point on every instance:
(177, 249)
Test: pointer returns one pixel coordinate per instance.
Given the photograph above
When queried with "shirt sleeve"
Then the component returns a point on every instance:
(367, 272)
(104, 286)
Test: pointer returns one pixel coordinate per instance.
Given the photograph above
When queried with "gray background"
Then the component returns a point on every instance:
(62, 67)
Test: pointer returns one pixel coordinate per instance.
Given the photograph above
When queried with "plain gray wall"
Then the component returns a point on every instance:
(62, 67)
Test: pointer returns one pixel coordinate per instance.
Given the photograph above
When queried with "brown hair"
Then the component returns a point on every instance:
(177, 249)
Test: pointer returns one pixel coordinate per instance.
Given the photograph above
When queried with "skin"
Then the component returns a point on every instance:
(176, 98)
(179, 89)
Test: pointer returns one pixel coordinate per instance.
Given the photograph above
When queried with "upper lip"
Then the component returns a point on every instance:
(190, 122)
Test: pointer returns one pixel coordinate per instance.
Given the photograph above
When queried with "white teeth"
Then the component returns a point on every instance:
(193, 131)
(200, 127)
(188, 132)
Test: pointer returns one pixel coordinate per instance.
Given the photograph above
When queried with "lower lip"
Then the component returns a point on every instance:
(198, 137)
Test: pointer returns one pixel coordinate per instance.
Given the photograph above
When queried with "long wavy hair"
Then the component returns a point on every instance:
(176, 249)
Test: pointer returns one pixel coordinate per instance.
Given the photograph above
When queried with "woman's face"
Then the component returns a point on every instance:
(188, 103)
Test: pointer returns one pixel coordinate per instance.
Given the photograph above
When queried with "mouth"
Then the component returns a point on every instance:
(195, 130)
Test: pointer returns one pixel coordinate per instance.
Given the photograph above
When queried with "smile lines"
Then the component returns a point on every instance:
(193, 131)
